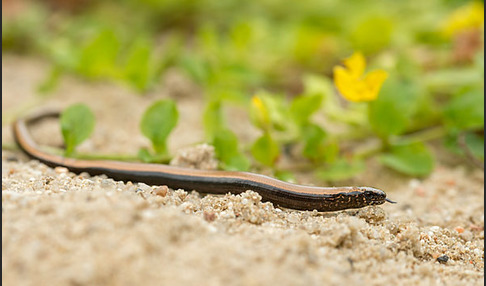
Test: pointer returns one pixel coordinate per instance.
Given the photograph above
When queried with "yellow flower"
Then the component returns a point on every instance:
(469, 16)
(353, 84)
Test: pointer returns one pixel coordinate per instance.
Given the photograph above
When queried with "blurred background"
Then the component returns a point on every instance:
(232, 49)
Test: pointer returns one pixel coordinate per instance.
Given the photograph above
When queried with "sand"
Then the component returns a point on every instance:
(60, 228)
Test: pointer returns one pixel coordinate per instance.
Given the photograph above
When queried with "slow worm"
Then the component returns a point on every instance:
(214, 182)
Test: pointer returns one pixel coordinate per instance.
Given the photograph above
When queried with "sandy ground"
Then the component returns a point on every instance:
(59, 228)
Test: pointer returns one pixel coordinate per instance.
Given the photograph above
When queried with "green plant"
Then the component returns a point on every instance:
(156, 124)
(77, 123)
(224, 140)
(281, 67)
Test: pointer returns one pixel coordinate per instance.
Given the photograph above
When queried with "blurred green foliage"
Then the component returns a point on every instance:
(283, 55)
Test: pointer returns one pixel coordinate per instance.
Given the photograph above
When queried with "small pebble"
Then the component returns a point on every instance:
(450, 182)
(187, 207)
(145, 187)
(209, 216)
(466, 235)
(459, 229)
(84, 175)
(443, 259)
(420, 191)
(61, 170)
(12, 158)
(106, 183)
(48, 180)
(161, 191)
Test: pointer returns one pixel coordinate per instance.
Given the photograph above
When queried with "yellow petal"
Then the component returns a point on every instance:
(342, 77)
(468, 16)
(356, 64)
(373, 81)
(343, 80)
(351, 83)
(348, 85)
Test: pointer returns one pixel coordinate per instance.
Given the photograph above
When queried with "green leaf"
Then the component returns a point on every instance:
(98, 58)
(451, 143)
(390, 113)
(265, 150)
(213, 120)
(414, 159)
(323, 87)
(341, 170)
(238, 162)
(330, 151)
(157, 123)
(226, 147)
(77, 124)
(304, 106)
(308, 45)
(196, 68)
(475, 144)
(65, 53)
(314, 138)
(285, 176)
(466, 111)
(372, 34)
(317, 84)
(240, 35)
(170, 55)
(146, 156)
(51, 81)
(138, 65)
